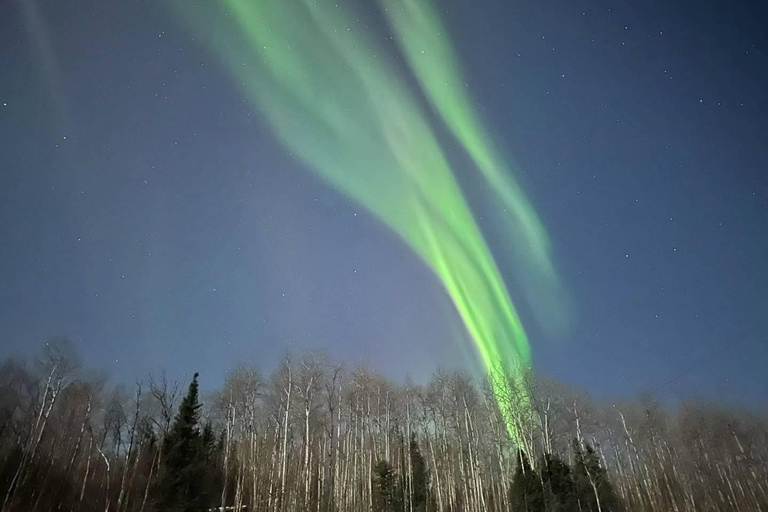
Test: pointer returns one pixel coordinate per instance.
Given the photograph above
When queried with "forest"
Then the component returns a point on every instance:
(312, 435)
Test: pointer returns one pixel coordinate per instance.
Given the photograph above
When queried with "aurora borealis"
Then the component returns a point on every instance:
(407, 186)
(336, 103)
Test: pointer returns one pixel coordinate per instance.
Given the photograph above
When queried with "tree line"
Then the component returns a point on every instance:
(314, 436)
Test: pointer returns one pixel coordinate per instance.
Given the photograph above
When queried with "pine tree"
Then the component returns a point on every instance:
(186, 480)
(526, 492)
(559, 489)
(384, 487)
(419, 472)
(591, 481)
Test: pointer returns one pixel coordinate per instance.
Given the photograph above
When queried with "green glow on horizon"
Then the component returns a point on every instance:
(339, 106)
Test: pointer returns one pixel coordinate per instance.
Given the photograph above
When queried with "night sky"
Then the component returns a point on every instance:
(148, 212)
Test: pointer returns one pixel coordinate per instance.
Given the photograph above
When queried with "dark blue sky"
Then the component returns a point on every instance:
(148, 213)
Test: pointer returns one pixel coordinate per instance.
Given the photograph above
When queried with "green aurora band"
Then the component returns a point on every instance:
(339, 105)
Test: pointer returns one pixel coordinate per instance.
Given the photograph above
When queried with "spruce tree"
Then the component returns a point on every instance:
(384, 487)
(526, 492)
(591, 481)
(186, 479)
(559, 489)
(419, 476)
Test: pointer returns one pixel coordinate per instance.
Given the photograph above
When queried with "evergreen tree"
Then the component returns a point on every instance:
(526, 492)
(559, 489)
(384, 488)
(591, 481)
(187, 477)
(419, 476)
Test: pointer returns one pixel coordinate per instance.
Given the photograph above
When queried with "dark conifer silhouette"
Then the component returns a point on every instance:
(527, 492)
(593, 487)
(385, 488)
(188, 473)
(419, 482)
(559, 489)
